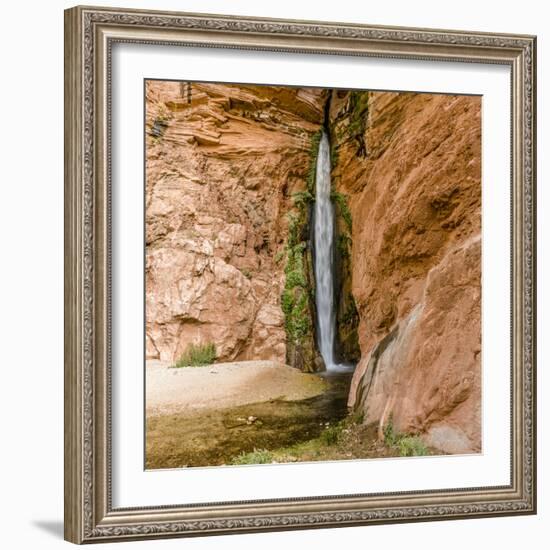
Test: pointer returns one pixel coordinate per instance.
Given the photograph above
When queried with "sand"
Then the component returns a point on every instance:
(197, 389)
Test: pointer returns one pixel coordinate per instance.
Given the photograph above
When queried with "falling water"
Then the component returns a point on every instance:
(323, 242)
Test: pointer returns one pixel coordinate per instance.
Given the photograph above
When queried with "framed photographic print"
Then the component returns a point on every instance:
(300, 280)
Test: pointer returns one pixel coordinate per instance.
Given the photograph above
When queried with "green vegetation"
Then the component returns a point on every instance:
(295, 226)
(329, 437)
(302, 198)
(297, 295)
(346, 439)
(295, 298)
(247, 273)
(344, 245)
(412, 446)
(333, 155)
(350, 315)
(352, 123)
(390, 435)
(356, 417)
(341, 201)
(332, 434)
(160, 123)
(359, 108)
(407, 445)
(257, 456)
(197, 355)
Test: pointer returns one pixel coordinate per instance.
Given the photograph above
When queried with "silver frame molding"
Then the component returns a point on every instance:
(89, 35)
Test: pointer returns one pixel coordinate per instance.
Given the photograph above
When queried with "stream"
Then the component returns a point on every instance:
(216, 437)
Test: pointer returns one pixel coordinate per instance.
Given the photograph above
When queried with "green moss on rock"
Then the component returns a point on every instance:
(359, 106)
(341, 202)
(297, 300)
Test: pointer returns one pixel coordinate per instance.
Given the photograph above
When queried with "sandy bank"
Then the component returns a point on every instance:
(196, 389)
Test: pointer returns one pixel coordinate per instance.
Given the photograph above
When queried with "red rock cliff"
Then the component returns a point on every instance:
(222, 164)
(409, 165)
(226, 263)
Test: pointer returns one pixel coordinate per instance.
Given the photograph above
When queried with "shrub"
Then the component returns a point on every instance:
(257, 456)
(293, 229)
(295, 305)
(412, 446)
(302, 198)
(390, 435)
(357, 417)
(197, 355)
(331, 434)
(407, 445)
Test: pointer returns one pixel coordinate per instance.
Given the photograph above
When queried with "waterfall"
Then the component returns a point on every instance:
(324, 268)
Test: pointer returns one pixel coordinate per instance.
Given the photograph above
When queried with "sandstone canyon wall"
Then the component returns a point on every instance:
(410, 167)
(229, 189)
(224, 167)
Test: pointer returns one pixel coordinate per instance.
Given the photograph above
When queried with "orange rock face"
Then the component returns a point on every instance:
(410, 165)
(222, 163)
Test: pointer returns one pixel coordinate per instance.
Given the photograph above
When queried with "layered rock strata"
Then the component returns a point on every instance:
(223, 164)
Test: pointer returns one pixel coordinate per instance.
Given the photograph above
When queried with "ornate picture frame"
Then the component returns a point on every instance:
(90, 34)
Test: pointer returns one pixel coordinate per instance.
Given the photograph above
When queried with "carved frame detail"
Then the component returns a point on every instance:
(89, 34)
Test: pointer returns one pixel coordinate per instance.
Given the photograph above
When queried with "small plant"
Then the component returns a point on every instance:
(160, 123)
(247, 273)
(390, 435)
(344, 244)
(342, 201)
(412, 446)
(295, 297)
(302, 198)
(357, 417)
(359, 109)
(257, 456)
(197, 355)
(334, 155)
(407, 445)
(294, 225)
(331, 434)
(350, 314)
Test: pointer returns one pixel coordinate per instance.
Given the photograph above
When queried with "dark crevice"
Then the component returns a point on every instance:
(326, 115)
